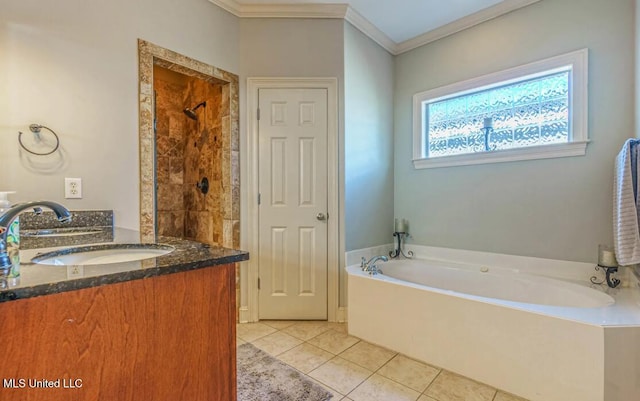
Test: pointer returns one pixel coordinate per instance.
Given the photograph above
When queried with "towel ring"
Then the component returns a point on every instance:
(36, 128)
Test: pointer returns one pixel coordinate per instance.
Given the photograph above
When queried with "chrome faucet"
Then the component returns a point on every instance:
(370, 266)
(63, 214)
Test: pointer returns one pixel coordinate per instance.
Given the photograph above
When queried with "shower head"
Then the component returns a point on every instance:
(191, 113)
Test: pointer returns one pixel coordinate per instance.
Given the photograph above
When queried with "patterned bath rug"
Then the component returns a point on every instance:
(262, 377)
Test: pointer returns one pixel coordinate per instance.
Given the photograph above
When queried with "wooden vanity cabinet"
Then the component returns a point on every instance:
(169, 337)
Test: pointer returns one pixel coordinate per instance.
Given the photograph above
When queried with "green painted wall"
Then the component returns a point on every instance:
(555, 208)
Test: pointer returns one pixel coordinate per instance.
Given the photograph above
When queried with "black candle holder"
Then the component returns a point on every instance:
(398, 251)
(608, 271)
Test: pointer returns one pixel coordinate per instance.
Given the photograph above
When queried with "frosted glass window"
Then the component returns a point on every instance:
(527, 113)
(533, 111)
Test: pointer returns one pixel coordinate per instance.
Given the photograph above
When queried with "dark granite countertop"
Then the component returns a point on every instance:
(38, 279)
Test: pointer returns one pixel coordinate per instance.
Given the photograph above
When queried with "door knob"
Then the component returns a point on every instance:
(321, 216)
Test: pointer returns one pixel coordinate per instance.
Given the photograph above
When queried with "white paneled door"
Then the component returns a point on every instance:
(293, 203)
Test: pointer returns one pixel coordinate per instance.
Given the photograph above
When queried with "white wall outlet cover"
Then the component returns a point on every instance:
(73, 188)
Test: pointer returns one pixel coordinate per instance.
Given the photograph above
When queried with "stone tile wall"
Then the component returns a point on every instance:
(188, 150)
(171, 127)
(203, 158)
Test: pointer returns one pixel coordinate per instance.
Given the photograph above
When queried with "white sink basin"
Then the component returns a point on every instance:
(102, 254)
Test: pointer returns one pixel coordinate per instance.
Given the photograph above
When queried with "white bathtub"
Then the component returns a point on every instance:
(538, 337)
(495, 284)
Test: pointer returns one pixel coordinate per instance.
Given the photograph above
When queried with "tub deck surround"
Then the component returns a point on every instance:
(482, 282)
(36, 280)
(540, 352)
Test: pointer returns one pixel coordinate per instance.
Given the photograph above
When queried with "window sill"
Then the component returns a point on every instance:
(578, 148)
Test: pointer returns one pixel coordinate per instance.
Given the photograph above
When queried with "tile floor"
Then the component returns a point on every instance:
(354, 370)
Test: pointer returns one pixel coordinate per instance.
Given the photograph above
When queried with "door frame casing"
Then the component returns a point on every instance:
(249, 277)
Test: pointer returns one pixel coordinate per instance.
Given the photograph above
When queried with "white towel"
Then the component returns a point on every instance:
(626, 227)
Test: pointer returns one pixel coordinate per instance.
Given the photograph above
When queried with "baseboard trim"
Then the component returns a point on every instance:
(341, 316)
(245, 316)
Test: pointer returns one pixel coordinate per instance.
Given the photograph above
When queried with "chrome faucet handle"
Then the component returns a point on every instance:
(373, 270)
(37, 210)
(374, 259)
(370, 266)
(9, 216)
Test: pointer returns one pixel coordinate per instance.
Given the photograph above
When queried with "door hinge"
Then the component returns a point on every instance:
(258, 114)
(258, 282)
(259, 199)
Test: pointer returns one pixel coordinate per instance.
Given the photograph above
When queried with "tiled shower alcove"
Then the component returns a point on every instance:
(188, 150)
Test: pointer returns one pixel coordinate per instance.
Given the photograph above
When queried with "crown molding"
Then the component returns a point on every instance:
(463, 23)
(365, 26)
(309, 10)
(304, 10)
(344, 11)
(230, 6)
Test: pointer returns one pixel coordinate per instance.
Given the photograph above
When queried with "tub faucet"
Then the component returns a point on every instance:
(370, 266)
(63, 214)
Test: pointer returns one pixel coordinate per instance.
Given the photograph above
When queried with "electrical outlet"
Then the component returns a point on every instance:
(75, 271)
(73, 188)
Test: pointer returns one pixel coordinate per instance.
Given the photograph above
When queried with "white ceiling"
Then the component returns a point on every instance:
(397, 25)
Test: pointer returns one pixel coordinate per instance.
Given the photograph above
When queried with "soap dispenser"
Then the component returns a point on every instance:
(13, 236)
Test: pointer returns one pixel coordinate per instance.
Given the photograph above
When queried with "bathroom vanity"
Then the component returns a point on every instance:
(161, 328)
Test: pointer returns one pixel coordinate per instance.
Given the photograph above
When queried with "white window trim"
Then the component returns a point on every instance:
(578, 114)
